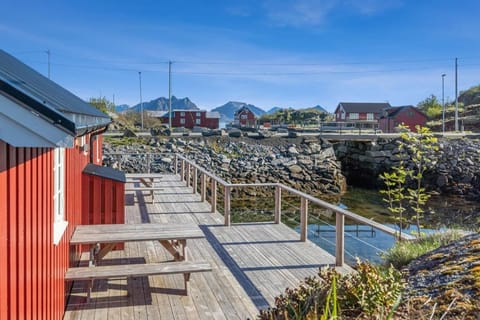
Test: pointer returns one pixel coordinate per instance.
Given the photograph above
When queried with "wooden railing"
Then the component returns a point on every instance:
(190, 171)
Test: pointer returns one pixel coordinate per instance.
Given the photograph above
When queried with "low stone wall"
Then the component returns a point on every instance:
(456, 172)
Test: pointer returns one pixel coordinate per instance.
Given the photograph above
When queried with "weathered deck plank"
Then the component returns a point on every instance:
(251, 264)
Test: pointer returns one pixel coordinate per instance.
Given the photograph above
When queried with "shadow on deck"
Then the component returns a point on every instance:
(252, 263)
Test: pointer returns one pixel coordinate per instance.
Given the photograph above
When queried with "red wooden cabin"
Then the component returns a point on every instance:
(193, 118)
(244, 118)
(48, 137)
(408, 115)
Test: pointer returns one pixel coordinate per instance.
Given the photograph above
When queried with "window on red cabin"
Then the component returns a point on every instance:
(59, 223)
(353, 116)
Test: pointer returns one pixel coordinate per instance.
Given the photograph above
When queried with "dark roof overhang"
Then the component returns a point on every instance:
(57, 118)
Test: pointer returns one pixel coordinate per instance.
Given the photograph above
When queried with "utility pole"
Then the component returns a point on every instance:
(48, 55)
(456, 94)
(170, 95)
(141, 101)
(443, 103)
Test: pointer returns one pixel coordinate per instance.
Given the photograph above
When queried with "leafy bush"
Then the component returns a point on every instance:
(372, 291)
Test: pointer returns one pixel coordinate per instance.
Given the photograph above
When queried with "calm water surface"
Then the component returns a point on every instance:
(367, 243)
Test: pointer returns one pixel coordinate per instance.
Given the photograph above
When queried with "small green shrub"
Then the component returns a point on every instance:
(405, 251)
(371, 292)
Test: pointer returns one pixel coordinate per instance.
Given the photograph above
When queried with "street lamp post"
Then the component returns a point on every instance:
(443, 103)
(141, 100)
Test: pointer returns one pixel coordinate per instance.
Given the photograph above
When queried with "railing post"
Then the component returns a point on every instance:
(339, 235)
(182, 169)
(226, 205)
(278, 204)
(303, 219)
(203, 187)
(187, 174)
(194, 183)
(148, 162)
(175, 165)
(214, 195)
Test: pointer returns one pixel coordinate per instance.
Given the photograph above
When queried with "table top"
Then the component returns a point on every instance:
(117, 233)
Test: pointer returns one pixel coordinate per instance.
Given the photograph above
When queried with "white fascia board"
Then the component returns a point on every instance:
(21, 127)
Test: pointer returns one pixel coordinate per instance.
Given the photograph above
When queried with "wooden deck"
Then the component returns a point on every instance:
(252, 263)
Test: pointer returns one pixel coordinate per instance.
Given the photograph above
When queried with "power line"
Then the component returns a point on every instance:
(253, 73)
(376, 62)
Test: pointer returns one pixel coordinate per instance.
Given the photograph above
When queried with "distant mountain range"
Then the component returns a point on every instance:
(227, 111)
(319, 108)
(273, 110)
(160, 104)
(121, 108)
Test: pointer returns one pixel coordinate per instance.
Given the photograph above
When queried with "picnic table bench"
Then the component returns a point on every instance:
(103, 238)
(147, 181)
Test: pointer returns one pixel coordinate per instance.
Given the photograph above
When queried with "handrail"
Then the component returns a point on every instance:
(189, 171)
(302, 194)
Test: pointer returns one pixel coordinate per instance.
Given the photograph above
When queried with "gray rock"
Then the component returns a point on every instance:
(295, 169)
(292, 150)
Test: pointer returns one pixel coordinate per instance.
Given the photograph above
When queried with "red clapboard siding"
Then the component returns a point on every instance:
(105, 202)
(4, 294)
(32, 268)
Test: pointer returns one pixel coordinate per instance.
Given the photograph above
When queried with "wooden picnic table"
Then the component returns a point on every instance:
(172, 236)
(147, 181)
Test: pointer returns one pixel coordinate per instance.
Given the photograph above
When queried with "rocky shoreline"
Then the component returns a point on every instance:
(310, 164)
(447, 280)
(307, 164)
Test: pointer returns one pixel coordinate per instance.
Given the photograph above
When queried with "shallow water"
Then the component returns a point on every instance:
(442, 211)
(367, 243)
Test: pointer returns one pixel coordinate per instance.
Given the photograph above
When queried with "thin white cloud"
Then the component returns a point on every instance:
(371, 7)
(298, 13)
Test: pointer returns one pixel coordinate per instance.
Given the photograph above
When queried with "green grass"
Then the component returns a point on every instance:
(405, 251)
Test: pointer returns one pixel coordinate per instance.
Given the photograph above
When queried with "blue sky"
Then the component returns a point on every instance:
(265, 52)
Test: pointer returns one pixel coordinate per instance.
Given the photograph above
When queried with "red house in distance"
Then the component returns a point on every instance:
(193, 118)
(244, 118)
(51, 180)
(360, 111)
(408, 115)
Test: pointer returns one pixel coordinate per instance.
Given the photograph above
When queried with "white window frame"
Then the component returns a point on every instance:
(59, 222)
(353, 116)
(343, 115)
(182, 114)
(182, 121)
(198, 121)
(199, 114)
(370, 116)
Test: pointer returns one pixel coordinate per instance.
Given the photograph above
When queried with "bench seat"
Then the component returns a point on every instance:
(143, 189)
(136, 270)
